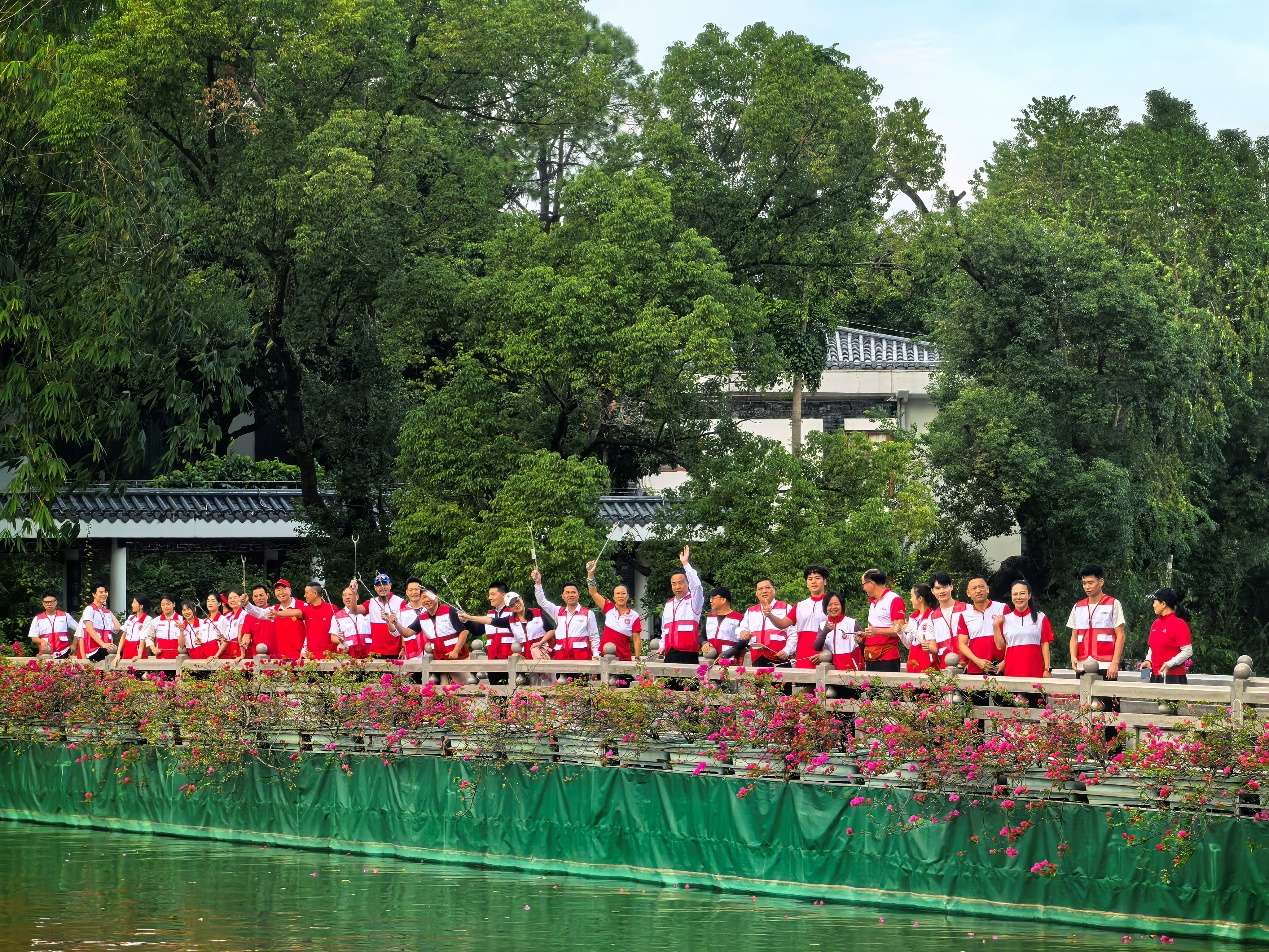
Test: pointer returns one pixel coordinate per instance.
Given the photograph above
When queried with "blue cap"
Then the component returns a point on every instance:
(382, 579)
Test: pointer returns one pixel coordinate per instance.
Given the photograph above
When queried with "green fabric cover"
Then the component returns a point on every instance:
(782, 838)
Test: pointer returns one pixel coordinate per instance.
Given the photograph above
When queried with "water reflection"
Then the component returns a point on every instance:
(73, 889)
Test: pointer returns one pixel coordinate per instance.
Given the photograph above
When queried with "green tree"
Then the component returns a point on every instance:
(548, 502)
(777, 151)
(1180, 213)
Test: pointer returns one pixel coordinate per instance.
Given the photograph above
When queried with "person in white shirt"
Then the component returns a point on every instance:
(97, 626)
(681, 616)
(764, 630)
(576, 633)
(138, 633)
(53, 630)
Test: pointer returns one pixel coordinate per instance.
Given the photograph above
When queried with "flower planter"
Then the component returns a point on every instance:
(754, 762)
(281, 740)
(426, 743)
(583, 750)
(651, 756)
(1115, 791)
(686, 758)
(1039, 786)
(839, 768)
(905, 776)
(469, 748)
(536, 750)
(330, 743)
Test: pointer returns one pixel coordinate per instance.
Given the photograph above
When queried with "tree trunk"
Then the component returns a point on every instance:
(795, 417)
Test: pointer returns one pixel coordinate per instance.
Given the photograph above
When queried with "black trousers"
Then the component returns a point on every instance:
(892, 665)
(1169, 679)
(673, 656)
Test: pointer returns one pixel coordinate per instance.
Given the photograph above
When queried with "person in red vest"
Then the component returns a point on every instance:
(622, 624)
(97, 626)
(762, 631)
(840, 635)
(350, 627)
(886, 618)
(1170, 645)
(917, 635)
(722, 624)
(1097, 625)
(317, 613)
(412, 623)
(976, 636)
(1024, 635)
(681, 616)
(233, 619)
(576, 633)
(201, 641)
(53, 630)
(259, 627)
(288, 622)
(383, 609)
(945, 619)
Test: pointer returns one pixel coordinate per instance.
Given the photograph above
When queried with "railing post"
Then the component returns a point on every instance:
(514, 676)
(606, 658)
(821, 674)
(425, 664)
(1090, 671)
(478, 654)
(1238, 688)
(954, 669)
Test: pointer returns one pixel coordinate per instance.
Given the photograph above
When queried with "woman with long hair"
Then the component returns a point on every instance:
(168, 630)
(138, 632)
(1024, 634)
(916, 634)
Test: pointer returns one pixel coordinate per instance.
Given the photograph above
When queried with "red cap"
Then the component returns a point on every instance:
(280, 582)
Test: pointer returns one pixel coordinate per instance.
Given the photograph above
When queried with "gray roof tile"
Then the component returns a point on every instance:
(850, 348)
(277, 504)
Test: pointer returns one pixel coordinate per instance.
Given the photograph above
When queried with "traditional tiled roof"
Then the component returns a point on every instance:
(148, 504)
(256, 504)
(629, 510)
(852, 349)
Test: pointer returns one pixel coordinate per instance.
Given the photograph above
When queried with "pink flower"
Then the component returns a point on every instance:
(1007, 804)
(700, 768)
(1011, 851)
(857, 801)
(954, 798)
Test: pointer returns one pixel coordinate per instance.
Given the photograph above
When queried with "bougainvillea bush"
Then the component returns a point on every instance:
(925, 735)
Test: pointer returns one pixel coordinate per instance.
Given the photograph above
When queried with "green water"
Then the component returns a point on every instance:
(77, 889)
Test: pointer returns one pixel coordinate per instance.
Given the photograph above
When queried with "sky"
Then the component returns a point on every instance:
(977, 63)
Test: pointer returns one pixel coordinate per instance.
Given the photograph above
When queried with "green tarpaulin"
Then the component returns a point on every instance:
(781, 838)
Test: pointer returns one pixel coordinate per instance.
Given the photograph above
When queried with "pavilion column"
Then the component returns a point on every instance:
(119, 576)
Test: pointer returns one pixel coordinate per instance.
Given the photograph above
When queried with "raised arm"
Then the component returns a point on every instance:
(598, 597)
(548, 607)
(694, 589)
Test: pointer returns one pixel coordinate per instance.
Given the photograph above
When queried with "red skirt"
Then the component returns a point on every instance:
(204, 651)
(1024, 661)
(130, 649)
(918, 660)
(167, 648)
(232, 650)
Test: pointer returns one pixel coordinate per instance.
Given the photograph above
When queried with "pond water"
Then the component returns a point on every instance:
(79, 889)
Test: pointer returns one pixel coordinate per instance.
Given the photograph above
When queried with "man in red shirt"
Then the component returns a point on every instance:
(258, 628)
(318, 641)
(288, 621)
